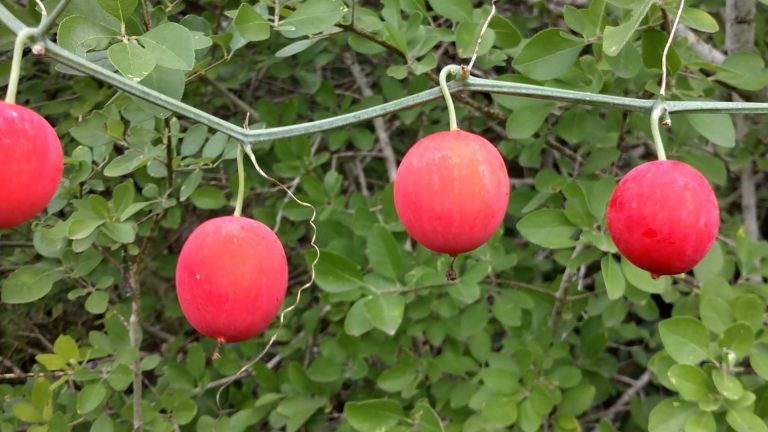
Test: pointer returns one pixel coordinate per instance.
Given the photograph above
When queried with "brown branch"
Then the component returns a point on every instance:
(622, 402)
(561, 298)
(379, 126)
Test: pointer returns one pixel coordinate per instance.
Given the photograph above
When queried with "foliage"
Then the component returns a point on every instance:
(547, 328)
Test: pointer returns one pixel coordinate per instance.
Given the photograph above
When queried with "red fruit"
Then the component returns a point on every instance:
(663, 217)
(31, 163)
(231, 278)
(451, 191)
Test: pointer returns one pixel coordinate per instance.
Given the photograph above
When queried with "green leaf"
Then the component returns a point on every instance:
(699, 19)
(336, 274)
(103, 424)
(743, 70)
(727, 384)
(66, 347)
(689, 380)
(670, 415)
(383, 252)
(745, 421)
(357, 322)
(613, 277)
(298, 409)
(27, 412)
(547, 55)
(121, 9)
(548, 228)
(717, 128)
(373, 415)
(642, 280)
(386, 312)
(507, 35)
(701, 421)
(190, 184)
(52, 362)
(454, 10)
(127, 163)
(467, 34)
(315, 16)
(30, 283)
(425, 419)
(133, 61)
(194, 140)
(80, 35)
(614, 38)
(685, 339)
(737, 338)
(251, 25)
(524, 122)
(171, 45)
(90, 397)
(97, 302)
(758, 359)
(208, 198)
(500, 411)
(122, 232)
(577, 400)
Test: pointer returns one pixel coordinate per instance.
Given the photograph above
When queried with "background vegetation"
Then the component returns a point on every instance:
(547, 327)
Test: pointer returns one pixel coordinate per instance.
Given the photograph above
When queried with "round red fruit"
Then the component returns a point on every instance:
(231, 278)
(663, 217)
(31, 164)
(451, 191)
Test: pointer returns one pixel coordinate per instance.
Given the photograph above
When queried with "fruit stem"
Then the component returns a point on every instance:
(451, 275)
(659, 108)
(453, 70)
(240, 181)
(18, 53)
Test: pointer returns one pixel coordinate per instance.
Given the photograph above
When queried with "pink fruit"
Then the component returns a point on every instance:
(31, 163)
(451, 191)
(663, 217)
(231, 278)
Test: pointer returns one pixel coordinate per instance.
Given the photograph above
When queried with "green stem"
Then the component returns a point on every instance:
(470, 83)
(659, 109)
(47, 22)
(453, 70)
(240, 181)
(18, 54)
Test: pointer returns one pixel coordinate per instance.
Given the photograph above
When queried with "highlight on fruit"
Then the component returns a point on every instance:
(663, 217)
(231, 278)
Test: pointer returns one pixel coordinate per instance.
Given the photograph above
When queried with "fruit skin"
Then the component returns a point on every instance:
(663, 217)
(231, 278)
(31, 164)
(451, 191)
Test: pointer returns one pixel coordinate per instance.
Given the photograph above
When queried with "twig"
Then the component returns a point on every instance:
(480, 37)
(27, 375)
(134, 326)
(379, 126)
(666, 49)
(11, 243)
(146, 15)
(561, 297)
(233, 98)
(622, 401)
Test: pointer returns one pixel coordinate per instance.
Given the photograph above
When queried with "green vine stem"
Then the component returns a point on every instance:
(452, 70)
(240, 181)
(50, 19)
(659, 109)
(471, 83)
(18, 54)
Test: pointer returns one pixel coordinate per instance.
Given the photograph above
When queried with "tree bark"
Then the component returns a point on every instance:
(740, 36)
